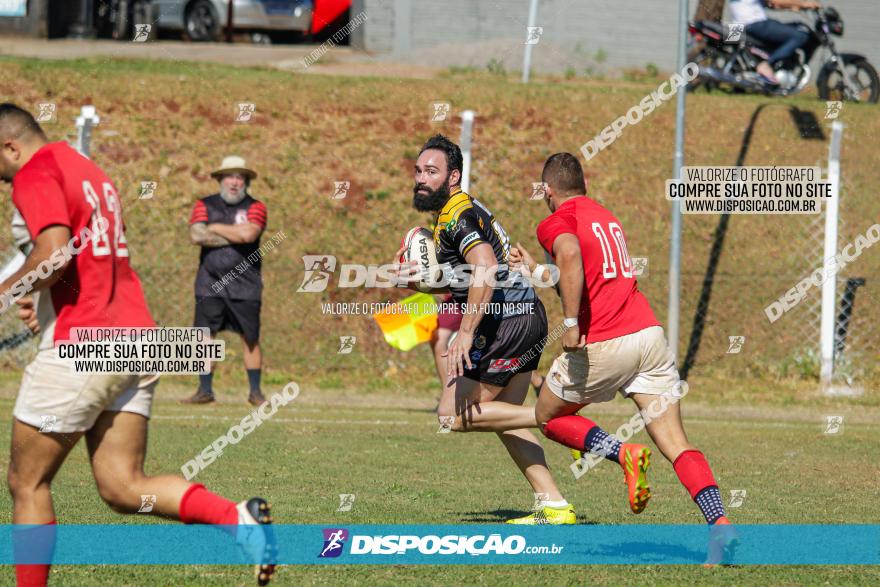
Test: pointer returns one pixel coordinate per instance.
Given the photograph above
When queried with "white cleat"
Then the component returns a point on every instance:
(255, 537)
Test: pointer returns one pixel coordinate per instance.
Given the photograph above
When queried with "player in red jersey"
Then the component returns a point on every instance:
(612, 343)
(79, 264)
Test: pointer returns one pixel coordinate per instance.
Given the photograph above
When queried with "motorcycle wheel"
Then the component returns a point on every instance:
(703, 57)
(831, 85)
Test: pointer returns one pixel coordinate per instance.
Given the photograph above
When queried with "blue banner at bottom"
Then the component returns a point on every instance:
(162, 544)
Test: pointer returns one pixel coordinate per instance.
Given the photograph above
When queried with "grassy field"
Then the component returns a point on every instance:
(385, 451)
(172, 122)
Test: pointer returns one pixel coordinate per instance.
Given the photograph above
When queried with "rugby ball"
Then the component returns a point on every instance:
(418, 246)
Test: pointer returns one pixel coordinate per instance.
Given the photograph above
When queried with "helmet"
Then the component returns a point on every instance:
(835, 23)
(831, 13)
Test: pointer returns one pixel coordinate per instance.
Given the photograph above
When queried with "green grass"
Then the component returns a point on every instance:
(385, 450)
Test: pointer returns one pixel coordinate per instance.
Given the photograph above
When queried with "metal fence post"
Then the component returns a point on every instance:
(829, 286)
(672, 319)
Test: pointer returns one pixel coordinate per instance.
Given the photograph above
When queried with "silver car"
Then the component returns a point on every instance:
(203, 20)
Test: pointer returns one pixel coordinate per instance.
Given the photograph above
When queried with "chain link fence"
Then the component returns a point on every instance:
(737, 266)
(733, 266)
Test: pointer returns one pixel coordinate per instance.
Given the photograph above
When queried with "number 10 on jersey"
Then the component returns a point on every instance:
(609, 266)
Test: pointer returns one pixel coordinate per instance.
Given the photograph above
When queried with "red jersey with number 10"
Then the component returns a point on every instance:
(611, 304)
(58, 186)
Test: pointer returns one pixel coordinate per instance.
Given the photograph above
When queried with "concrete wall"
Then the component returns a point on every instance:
(578, 34)
(34, 24)
(45, 18)
(375, 34)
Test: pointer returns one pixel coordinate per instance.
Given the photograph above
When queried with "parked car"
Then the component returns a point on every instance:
(203, 20)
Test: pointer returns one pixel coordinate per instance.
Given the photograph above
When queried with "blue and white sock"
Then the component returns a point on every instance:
(709, 502)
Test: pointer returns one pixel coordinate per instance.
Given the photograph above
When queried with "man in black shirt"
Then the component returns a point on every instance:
(503, 327)
(229, 286)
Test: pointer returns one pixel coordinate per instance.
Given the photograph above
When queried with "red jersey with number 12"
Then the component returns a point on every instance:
(611, 304)
(58, 186)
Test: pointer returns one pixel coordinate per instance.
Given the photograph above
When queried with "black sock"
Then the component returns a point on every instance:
(600, 442)
(709, 501)
(205, 383)
(254, 379)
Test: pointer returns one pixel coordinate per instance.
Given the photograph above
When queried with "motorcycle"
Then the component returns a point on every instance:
(727, 58)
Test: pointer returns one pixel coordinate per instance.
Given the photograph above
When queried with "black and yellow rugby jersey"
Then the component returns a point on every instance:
(464, 223)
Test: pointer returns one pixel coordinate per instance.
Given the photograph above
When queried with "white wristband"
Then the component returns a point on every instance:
(570, 322)
(538, 272)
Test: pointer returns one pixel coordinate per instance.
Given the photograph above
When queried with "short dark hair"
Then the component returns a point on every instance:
(563, 173)
(17, 123)
(453, 152)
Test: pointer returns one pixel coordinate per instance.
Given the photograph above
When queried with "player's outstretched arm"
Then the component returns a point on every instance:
(237, 234)
(50, 248)
(521, 260)
(201, 236)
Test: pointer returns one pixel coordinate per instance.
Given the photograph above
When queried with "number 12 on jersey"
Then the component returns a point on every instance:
(100, 240)
(609, 266)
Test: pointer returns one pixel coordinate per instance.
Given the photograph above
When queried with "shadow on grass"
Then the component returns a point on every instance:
(808, 128)
(646, 553)
(500, 516)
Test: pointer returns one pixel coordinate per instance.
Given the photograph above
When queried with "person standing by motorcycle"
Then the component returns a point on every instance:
(785, 37)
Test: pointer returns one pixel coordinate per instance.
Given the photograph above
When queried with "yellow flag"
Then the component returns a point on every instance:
(410, 322)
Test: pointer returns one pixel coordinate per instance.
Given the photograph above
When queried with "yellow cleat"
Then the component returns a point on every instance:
(547, 515)
(635, 460)
(576, 454)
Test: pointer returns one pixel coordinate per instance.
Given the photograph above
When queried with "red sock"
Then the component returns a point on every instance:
(200, 506)
(31, 575)
(39, 541)
(569, 430)
(693, 471)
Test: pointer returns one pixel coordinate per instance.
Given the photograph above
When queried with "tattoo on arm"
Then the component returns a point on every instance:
(200, 235)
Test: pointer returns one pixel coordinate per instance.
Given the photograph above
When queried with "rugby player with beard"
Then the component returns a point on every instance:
(490, 361)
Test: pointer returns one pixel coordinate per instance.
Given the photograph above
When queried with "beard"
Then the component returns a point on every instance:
(232, 199)
(433, 200)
